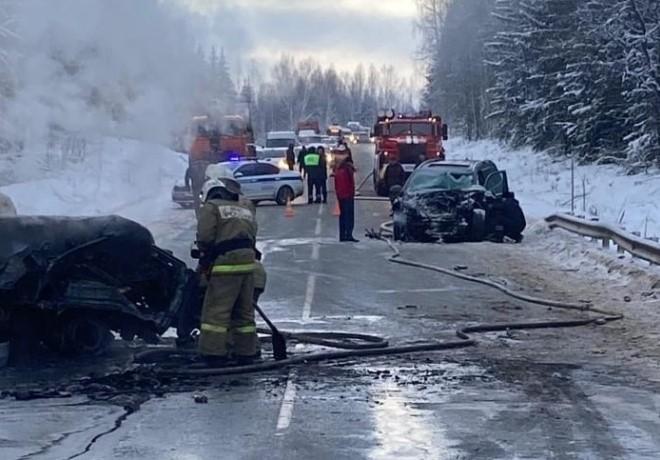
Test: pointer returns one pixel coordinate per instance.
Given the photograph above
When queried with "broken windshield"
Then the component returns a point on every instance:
(443, 179)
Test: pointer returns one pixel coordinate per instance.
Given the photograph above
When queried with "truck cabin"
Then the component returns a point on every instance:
(424, 125)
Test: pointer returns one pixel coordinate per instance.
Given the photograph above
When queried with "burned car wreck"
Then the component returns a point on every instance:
(456, 202)
(66, 283)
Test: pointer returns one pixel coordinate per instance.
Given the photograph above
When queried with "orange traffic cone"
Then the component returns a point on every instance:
(336, 211)
(289, 212)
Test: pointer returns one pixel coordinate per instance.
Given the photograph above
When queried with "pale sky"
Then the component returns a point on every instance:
(338, 32)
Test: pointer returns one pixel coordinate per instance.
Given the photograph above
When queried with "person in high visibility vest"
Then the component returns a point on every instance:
(312, 162)
(226, 234)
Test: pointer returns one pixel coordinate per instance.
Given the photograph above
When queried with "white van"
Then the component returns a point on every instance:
(281, 139)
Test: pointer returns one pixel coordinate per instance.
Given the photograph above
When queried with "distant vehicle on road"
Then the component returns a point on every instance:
(308, 125)
(274, 156)
(359, 134)
(260, 180)
(281, 139)
(307, 138)
(456, 201)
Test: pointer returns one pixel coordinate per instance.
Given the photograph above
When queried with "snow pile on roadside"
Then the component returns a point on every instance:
(117, 176)
(543, 186)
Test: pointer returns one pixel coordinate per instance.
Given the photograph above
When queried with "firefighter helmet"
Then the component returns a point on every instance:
(230, 185)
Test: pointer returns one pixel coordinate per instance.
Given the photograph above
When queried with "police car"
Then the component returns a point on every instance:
(260, 180)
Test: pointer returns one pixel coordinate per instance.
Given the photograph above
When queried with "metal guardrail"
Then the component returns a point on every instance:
(648, 250)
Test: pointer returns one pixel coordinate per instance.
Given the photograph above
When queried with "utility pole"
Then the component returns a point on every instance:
(572, 185)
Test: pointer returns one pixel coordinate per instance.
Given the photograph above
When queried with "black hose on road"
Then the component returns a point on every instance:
(376, 346)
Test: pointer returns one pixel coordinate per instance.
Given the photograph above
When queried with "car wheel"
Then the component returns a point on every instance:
(478, 227)
(284, 195)
(78, 335)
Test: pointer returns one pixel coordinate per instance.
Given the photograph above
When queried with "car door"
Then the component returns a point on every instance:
(497, 183)
(246, 175)
(268, 180)
(484, 170)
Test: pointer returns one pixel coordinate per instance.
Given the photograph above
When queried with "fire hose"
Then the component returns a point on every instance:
(363, 345)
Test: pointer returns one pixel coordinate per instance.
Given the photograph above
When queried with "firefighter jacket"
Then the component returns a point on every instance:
(222, 223)
(260, 277)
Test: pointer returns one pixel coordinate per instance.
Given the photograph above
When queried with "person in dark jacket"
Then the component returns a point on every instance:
(345, 190)
(323, 174)
(394, 175)
(290, 157)
(301, 160)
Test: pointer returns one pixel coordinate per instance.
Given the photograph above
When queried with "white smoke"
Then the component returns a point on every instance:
(103, 67)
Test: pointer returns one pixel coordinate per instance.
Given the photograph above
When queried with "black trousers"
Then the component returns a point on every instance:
(322, 189)
(311, 185)
(317, 188)
(346, 219)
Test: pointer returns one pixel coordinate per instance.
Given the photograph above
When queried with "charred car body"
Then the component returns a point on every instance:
(68, 282)
(456, 201)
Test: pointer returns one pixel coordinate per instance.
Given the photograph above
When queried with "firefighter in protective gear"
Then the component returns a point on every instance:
(226, 234)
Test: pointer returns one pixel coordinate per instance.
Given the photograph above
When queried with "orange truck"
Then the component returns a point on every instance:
(308, 125)
(215, 142)
(230, 138)
(408, 140)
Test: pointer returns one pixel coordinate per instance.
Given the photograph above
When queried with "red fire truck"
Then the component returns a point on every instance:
(407, 139)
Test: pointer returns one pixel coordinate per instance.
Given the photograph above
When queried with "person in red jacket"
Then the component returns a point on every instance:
(345, 189)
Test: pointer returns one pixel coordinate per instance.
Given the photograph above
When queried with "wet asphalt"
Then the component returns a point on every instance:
(521, 395)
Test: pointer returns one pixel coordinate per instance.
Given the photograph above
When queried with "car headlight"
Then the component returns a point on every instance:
(282, 164)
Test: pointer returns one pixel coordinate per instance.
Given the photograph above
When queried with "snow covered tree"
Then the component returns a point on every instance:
(592, 86)
(457, 75)
(510, 61)
(640, 20)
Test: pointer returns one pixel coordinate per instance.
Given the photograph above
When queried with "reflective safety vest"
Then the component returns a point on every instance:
(312, 159)
(240, 269)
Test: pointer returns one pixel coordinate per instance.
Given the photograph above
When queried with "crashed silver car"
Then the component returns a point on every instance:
(66, 283)
(453, 201)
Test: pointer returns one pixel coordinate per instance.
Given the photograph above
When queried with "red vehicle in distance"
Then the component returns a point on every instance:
(408, 140)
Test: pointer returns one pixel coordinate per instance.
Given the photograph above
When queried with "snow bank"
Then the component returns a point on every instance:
(125, 177)
(543, 186)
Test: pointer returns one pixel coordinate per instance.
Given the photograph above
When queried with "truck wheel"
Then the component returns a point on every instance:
(284, 195)
(478, 227)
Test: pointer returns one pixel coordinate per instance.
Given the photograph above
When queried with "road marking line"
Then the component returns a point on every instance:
(309, 297)
(321, 209)
(317, 231)
(316, 251)
(286, 409)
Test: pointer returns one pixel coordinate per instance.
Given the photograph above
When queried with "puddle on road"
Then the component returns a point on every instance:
(406, 421)
(402, 431)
